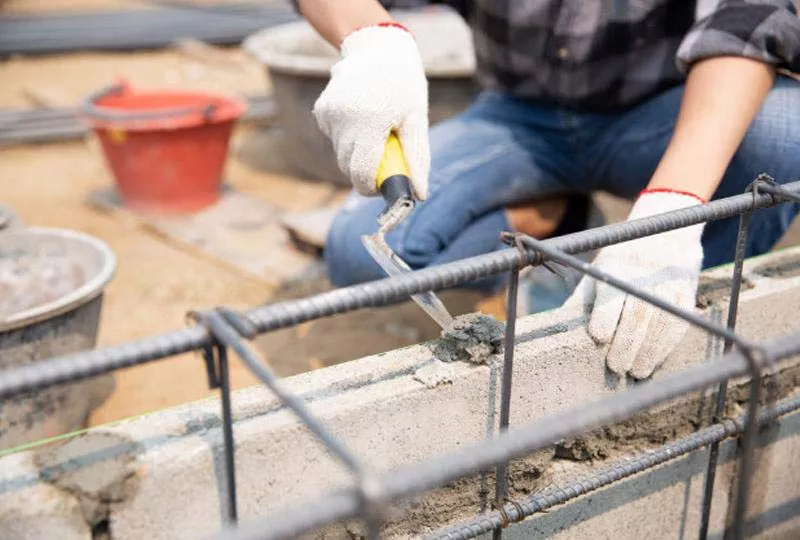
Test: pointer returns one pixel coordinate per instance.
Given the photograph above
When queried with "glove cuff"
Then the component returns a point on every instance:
(674, 191)
(660, 201)
(385, 24)
(378, 36)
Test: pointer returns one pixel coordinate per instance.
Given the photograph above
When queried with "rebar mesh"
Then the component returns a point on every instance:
(223, 329)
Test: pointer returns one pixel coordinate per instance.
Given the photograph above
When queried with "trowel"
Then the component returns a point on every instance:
(393, 182)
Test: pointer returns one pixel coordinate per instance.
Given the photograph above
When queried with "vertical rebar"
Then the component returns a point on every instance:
(746, 461)
(227, 434)
(722, 391)
(501, 486)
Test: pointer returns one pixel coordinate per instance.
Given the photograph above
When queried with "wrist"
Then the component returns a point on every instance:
(660, 201)
(673, 191)
(385, 24)
(370, 36)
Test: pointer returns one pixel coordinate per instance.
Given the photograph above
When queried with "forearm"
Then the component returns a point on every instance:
(721, 97)
(335, 19)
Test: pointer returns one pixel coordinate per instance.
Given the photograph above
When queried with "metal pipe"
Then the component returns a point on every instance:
(417, 478)
(77, 366)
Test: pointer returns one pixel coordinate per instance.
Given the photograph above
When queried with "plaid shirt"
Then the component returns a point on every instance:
(604, 55)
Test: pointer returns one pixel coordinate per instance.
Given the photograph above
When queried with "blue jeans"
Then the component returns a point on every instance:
(503, 150)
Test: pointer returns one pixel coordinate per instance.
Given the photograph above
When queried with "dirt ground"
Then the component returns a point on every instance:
(158, 282)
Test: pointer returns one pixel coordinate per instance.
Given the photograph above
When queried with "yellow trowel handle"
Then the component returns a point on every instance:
(393, 179)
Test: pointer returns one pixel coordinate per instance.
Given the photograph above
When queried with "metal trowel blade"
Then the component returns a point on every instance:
(393, 265)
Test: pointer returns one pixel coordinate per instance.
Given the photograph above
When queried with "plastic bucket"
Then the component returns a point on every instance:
(166, 150)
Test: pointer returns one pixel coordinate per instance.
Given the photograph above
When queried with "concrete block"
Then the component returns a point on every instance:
(404, 406)
(34, 510)
(774, 504)
(665, 502)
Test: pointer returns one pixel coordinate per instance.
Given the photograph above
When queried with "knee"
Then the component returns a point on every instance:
(347, 261)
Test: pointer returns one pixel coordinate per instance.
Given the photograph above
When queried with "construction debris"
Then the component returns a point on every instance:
(434, 374)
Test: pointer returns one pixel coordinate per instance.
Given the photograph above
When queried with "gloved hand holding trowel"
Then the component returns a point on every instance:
(669, 118)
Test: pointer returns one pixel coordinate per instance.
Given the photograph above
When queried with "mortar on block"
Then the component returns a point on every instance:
(298, 63)
(52, 283)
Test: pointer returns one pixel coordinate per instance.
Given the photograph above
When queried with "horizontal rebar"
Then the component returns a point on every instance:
(377, 293)
(548, 498)
(584, 267)
(417, 478)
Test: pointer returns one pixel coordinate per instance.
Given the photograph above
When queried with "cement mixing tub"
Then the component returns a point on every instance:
(298, 63)
(51, 289)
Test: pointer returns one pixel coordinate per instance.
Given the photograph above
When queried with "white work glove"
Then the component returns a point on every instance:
(379, 85)
(668, 266)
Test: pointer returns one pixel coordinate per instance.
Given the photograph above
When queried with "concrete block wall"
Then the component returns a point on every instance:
(160, 476)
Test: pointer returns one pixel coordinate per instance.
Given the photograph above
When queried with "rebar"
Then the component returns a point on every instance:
(227, 331)
(227, 434)
(722, 391)
(72, 367)
(757, 362)
(586, 268)
(501, 486)
(223, 329)
(525, 440)
(547, 499)
(228, 337)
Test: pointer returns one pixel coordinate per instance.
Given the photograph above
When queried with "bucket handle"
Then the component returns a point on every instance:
(90, 108)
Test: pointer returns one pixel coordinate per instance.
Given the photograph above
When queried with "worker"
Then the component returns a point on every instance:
(669, 103)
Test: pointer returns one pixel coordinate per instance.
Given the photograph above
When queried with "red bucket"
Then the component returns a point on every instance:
(166, 150)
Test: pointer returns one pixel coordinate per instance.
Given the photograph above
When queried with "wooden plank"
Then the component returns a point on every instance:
(240, 231)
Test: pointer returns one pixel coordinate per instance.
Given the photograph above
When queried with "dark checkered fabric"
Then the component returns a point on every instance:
(611, 54)
(605, 55)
